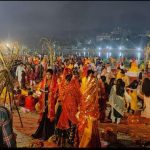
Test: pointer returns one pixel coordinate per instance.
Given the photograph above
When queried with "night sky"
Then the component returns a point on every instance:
(29, 20)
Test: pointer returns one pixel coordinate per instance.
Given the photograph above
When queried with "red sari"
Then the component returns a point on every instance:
(29, 103)
(102, 100)
(52, 86)
(69, 106)
(62, 84)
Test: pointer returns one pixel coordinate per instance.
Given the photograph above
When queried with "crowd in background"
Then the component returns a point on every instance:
(75, 94)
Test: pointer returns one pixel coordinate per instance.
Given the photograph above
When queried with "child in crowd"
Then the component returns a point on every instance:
(29, 102)
(19, 98)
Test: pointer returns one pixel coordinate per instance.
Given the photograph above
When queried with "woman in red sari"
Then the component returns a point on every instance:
(103, 97)
(61, 90)
(68, 121)
(47, 103)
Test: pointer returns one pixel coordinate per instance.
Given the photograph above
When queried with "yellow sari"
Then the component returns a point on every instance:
(83, 85)
(89, 112)
(86, 134)
(2, 96)
(134, 100)
(119, 75)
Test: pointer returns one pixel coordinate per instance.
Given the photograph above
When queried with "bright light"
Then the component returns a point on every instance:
(120, 54)
(110, 54)
(99, 54)
(138, 55)
(107, 55)
(138, 48)
(84, 53)
(99, 48)
(7, 44)
(120, 48)
(108, 47)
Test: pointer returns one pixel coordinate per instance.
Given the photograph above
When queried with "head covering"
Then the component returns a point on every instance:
(67, 71)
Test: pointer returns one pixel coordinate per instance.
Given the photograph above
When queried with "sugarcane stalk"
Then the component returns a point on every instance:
(9, 82)
(10, 101)
(5, 96)
(2, 89)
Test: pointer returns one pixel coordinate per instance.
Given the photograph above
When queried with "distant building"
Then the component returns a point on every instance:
(103, 36)
(119, 33)
(116, 34)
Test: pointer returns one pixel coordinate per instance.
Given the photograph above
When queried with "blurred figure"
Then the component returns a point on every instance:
(7, 136)
(146, 98)
(132, 90)
(118, 99)
(19, 71)
(30, 102)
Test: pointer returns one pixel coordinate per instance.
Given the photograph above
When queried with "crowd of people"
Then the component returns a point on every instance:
(75, 94)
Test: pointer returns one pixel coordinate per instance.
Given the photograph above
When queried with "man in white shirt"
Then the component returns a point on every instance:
(19, 70)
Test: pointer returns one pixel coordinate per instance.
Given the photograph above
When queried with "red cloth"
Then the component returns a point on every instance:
(66, 71)
(31, 75)
(102, 100)
(69, 106)
(85, 70)
(36, 61)
(53, 87)
(29, 103)
(61, 86)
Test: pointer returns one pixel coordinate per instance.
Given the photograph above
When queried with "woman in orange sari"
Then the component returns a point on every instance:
(47, 103)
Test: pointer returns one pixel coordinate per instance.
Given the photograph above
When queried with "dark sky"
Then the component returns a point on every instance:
(26, 20)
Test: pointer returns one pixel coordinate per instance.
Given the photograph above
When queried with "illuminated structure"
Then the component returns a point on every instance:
(147, 57)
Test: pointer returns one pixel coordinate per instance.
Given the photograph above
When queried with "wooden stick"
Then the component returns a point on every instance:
(5, 96)
(2, 88)
(17, 110)
(10, 101)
